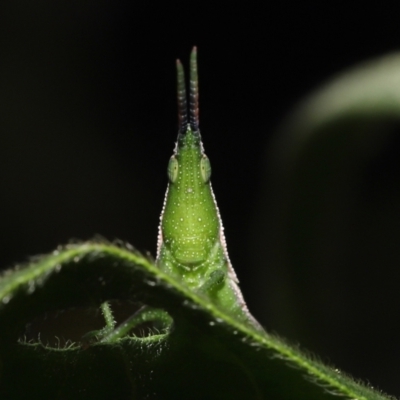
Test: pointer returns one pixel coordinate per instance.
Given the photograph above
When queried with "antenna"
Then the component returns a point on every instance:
(194, 91)
(182, 105)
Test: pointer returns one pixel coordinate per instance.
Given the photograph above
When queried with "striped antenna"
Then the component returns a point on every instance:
(194, 91)
(182, 105)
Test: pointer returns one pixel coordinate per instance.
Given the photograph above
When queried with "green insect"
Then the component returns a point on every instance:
(191, 242)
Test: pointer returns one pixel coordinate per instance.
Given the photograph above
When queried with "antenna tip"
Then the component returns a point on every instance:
(194, 49)
(178, 61)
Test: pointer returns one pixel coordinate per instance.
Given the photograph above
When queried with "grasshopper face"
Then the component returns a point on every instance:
(190, 223)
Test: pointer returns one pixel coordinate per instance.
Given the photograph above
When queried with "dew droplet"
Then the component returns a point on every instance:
(129, 246)
(6, 299)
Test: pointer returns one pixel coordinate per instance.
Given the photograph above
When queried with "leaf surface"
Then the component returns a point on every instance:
(207, 354)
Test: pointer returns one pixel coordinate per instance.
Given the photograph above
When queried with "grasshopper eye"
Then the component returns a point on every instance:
(205, 169)
(172, 169)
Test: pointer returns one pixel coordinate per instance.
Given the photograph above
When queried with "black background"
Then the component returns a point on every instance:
(88, 123)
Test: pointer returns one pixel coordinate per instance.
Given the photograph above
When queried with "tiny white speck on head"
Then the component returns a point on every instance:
(199, 219)
(190, 190)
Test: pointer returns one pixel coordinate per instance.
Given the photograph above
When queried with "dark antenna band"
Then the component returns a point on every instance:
(193, 95)
(182, 105)
(194, 91)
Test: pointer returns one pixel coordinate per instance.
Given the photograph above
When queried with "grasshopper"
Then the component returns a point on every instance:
(191, 241)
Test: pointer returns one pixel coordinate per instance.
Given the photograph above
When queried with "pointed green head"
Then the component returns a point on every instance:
(190, 225)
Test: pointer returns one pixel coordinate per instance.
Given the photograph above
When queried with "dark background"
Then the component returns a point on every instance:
(88, 123)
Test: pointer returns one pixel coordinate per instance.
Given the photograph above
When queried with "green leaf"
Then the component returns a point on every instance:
(206, 354)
